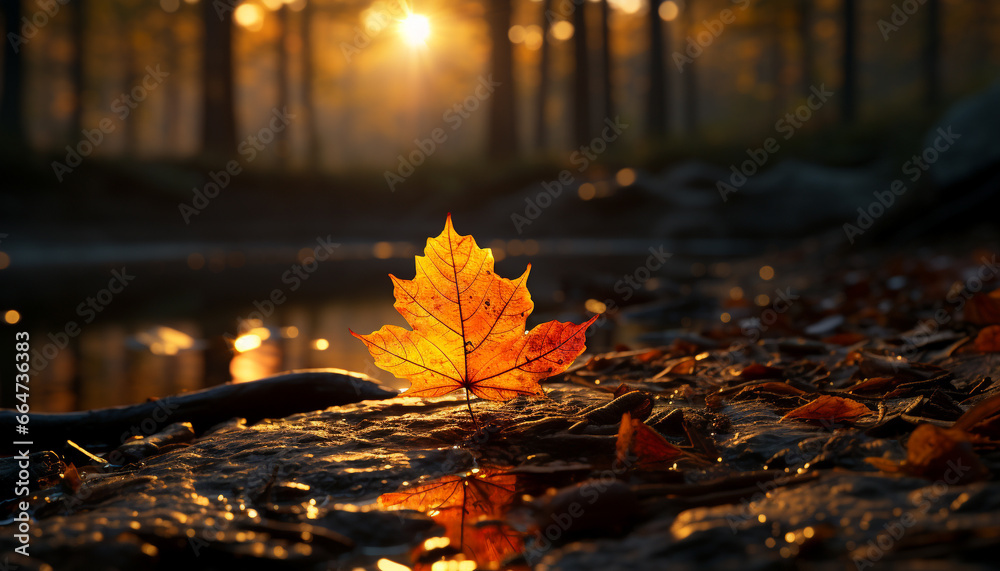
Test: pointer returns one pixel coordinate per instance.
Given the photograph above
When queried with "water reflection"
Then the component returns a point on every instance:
(471, 507)
(117, 364)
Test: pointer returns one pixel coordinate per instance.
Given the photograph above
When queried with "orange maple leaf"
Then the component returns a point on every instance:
(468, 327)
(471, 508)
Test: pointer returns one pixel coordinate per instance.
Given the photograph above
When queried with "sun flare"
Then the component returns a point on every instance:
(415, 29)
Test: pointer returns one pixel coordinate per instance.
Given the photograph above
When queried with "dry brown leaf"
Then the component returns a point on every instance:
(828, 408)
(984, 308)
(988, 340)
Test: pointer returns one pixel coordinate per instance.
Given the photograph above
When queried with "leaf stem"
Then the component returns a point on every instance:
(468, 403)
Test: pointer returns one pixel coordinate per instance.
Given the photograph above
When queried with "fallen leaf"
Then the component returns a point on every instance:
(828, 408)
(984, 308)
(651, 355)
(640, 446)
(981, 419)
(875, 385)
(683, 366)
(623, 389)
(71, 477)
(468, 327)
(845, 339)
(757, 371)
(944, 454)
(988, 340)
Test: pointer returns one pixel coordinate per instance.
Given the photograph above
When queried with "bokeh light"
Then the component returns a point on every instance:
(668, 11)
(562, 30)
(249, 16)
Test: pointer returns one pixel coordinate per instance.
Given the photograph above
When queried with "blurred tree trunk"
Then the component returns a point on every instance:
(606, 84)
(849, 64)
(308, 102)
(581, 76)
(807, 75)
(656, 109)
(12, 98)
(175, 93)
(282, 139)
(544, 76)
(777, 48)
(689, 79)
(132, 78)
(502, 138)
(78, 27)
(218, 120)
(932, 54)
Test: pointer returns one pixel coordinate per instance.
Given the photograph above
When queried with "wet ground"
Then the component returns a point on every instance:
(854, 425)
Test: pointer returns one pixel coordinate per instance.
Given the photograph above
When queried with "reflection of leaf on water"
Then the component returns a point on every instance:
(471, 507)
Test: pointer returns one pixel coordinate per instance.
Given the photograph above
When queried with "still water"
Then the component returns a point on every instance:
(185, 333)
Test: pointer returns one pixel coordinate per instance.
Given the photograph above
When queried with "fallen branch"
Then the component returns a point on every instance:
(273, 397)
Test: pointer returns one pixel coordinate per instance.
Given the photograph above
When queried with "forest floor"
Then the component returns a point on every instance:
(851, 420)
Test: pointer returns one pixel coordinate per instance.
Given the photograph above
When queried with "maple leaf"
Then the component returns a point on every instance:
(468, 328)
(471, 507)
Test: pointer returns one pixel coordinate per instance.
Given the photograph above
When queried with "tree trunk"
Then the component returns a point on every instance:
(932, 54)
(78, 27)
(132, 78)
(282, 140)
(313, 154)
(172, 133)
(12, 98)
(218, 121)
(689, 79)
(849, 64)
(606, 83)
(544, 77)
(503, 135)
(581, 76)
(807, 75)
(656, 110)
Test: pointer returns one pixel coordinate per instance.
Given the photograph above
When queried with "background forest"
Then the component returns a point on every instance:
(210, 147)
